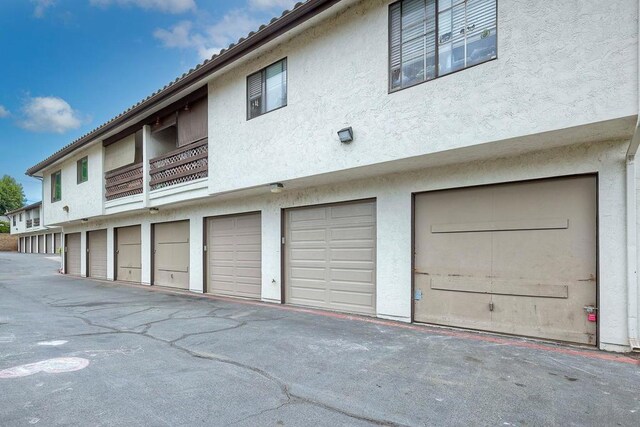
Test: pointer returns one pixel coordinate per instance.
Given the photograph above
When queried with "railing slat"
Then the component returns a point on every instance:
(124, 181)
(185, 164)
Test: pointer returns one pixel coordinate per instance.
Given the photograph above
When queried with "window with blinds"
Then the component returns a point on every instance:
(432, 38)
(267, 89)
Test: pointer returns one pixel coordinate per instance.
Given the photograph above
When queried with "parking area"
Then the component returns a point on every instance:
(78, 351)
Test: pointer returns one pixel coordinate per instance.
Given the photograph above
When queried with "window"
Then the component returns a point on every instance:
(56, 186)
(432, 38)
(267, 89)
(82, 168)
(14, 220)
(20, 217)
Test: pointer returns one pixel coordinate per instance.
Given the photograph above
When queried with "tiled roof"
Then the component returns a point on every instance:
(24, 208)
(265, 33)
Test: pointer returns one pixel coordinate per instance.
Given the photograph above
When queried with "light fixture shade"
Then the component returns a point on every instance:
(153, 211)
(345, 135)
(277, 187)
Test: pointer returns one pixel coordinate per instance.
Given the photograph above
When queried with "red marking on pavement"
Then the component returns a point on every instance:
(587, 353)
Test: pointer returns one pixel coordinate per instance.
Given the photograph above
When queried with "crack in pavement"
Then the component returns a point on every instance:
(284, 388)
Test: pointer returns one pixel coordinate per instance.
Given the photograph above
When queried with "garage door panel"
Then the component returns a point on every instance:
(516, 258)
(253, 257)
(352, 254)
(307, 272)
(452, 308)
(352, 275)
(466, 254)
(330, 257)
(129, 253)
(171, 279)
(308, 254)
(353, 233)
(175, 256)
(310, 235)
(72, 243)
(309, 292)
(129, 256)
(97, 241)
(171, 254)
(235, 259)
(300, 216)
(56, 242)
(352, 299)
(550, 319)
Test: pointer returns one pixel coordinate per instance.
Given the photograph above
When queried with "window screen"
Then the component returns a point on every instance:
(432, 38)
(267, 89)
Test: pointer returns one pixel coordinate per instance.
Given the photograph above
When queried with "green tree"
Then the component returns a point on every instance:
(11, 194)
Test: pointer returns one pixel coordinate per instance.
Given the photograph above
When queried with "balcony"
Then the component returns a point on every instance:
(29, 223)
(124, 181)
(36, 222)
(185, 164)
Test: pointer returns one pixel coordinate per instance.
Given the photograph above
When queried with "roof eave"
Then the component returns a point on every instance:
(278, 26)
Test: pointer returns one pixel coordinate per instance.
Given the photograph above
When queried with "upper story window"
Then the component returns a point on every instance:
(432, 38)
(20, 217)
(14, 220)
(267, 89)
(56, 186)
(82, 170)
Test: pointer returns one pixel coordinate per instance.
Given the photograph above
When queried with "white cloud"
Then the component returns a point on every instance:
(41, 7)
(4, 112)
(49, 114)
(272, 4)
(208, 39)
(167, 6)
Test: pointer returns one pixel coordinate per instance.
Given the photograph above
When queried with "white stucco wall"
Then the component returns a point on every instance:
(393, 194)
(560, 64)
(84, 200)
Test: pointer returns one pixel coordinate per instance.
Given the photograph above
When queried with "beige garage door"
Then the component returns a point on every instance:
(330, 257)
(72, 250)
(234, 246)
(97, 244)
(517, 258)
(56, 242)
(41, 246)
(128, 254)
(49, 239)
(171, 254)
(32, 244)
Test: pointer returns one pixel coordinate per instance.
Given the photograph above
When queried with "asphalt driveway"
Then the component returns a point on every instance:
(82, 352)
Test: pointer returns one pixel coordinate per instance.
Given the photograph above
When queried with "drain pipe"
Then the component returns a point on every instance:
(632, 241)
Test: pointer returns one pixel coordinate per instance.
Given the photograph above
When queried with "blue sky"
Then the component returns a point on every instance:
(70, 65)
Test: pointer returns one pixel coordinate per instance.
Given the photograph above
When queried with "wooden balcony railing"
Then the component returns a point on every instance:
(36, 222)
(123, 182)
(185, 164)
(29, 223)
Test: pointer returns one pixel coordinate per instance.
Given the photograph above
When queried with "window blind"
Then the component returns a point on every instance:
(192, 123)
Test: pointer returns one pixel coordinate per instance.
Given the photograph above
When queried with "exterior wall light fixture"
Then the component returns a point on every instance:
(153, 211)
(346, 135)
(277, 187)
(85, 220)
